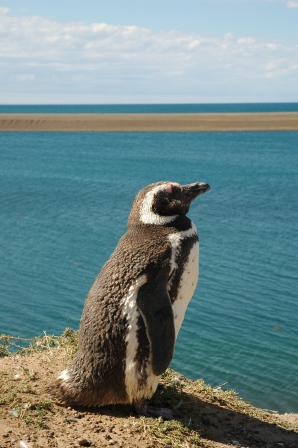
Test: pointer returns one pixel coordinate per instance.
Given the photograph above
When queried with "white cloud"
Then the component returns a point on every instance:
(292, 3)
(4, 10)
(98, 60)
(25, 77)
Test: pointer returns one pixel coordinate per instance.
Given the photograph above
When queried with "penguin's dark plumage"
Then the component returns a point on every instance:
(135, 308)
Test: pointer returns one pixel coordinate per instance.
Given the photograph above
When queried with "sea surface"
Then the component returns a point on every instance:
(64, 203)
(151, 108)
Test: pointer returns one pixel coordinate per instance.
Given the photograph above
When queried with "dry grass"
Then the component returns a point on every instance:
(203, 416)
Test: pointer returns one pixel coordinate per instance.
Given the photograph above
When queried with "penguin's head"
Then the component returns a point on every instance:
(161, 202)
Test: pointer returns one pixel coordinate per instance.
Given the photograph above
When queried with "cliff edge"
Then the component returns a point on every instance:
(203, 416)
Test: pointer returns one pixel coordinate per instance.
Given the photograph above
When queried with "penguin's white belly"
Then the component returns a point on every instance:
(186, 287)
(141, 384)
(138, 384)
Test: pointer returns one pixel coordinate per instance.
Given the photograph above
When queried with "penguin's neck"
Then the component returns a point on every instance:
(180, 223)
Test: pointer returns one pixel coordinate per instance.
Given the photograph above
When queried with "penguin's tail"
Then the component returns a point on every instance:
(76, 386)
(67, 390)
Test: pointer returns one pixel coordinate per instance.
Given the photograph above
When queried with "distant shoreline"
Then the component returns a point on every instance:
(148, 122)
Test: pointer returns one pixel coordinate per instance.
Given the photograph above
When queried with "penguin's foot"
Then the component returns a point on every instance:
(142, 408)
(165, 413)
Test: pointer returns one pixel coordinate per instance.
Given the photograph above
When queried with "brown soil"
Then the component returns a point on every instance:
(202, 416)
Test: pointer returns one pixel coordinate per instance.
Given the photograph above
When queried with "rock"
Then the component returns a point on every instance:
(23, 444)
(14, 412)
(83, 442)
(71, 420)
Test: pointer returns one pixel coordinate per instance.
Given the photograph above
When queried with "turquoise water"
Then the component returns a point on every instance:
(65, 198)
(151, 108)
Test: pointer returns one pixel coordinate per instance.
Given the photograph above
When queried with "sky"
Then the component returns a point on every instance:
(148, 51)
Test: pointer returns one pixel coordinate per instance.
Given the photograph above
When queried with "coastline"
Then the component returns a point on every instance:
(148, 122)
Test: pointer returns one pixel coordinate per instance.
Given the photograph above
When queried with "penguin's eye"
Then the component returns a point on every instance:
(166, 200)
(167, 204)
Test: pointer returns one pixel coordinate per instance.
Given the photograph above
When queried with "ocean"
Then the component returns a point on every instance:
(64, 203)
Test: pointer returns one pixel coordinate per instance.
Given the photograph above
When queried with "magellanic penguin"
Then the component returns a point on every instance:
(135, 308)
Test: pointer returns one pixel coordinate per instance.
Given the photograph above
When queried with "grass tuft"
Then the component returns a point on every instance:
(11, 345)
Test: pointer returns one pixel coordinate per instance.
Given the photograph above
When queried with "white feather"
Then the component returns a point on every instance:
(187, 287)
(147, 216)
(190, 274)
(64, 375)
(134, 390)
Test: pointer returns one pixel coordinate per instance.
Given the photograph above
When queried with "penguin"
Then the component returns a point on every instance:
(135, 308)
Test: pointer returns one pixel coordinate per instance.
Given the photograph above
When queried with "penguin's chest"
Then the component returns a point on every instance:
(185, 273)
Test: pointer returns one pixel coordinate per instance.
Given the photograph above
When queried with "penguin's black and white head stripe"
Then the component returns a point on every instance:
(135, 308)
(162, 202)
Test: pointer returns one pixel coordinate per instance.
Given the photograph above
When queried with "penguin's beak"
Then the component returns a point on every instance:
(191, 191)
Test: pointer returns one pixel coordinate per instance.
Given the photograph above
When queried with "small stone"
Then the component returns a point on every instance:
(83, 442)
(51, 433)
(71, 420)
(14, 412)
(23, 444)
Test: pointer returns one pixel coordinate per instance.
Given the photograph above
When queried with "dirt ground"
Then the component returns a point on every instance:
(206, 417)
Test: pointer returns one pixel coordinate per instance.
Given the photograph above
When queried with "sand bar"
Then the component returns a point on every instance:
(196, 122)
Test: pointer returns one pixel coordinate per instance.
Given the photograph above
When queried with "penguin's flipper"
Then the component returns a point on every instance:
(154, 303)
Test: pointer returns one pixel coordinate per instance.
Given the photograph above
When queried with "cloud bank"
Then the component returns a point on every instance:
(42, 60)
(292, 4)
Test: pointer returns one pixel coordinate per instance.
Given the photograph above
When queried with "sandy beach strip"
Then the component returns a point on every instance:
(196, 122)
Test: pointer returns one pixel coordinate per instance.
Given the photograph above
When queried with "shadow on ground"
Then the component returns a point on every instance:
(213, 422)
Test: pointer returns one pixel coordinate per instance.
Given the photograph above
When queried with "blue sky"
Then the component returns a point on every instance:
(148, 51)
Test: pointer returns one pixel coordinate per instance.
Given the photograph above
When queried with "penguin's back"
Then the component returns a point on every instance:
(114, 364)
